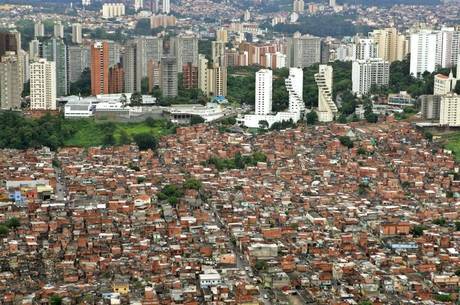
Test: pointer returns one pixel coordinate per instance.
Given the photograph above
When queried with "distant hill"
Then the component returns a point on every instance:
(390, 2)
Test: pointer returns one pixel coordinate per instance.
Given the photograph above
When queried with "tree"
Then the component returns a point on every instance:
(263, 124)
(55, 300)
(150, 122)
(145, 141)
(145, 85)
(124, 138)
(156, 92)
(346, 141)
(312, 118)
(83, 85)
(261, 265)
(13, 223)
(136, 99)
(196, 119)
(417, 230)
(193, 184)
(109, 139)
(3, 230)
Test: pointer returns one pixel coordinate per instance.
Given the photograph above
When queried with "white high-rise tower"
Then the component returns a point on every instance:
(264, 92)
(166, 8)
(294, 86)
(326, 106)
(43, 85)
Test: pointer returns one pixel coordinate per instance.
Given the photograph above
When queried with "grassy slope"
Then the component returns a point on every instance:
(453, 144)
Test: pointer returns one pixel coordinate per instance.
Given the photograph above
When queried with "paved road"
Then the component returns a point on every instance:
(60, 191)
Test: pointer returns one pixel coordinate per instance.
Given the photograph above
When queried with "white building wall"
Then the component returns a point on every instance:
(263, 104)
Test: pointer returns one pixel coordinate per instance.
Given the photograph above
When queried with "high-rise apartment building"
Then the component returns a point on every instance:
(217, 80)
(444, 84)
(58, 30)
(366, 73)
(147, 48)
(114, 53)
(78, 60)
(298, 6)
(294, 86)
(85, 2)
(35, 50)
(222, 35)
(100, 68)
(189, 76)
(154, 74)
(169, 79)
(203, 73)
(326, 106)
(364, 48)
(423, 49)
(217, 51)
(129, 60)
(449, 114)
(116, 79)
(166, 6)
(391, 45)
(54, 49)
(304, 51)
(112, 10)
(39, 29)
(8, 43)
(43, 85)
(10, 82)
(76, 33)
(186, 50)
(264, 92)
(448, 47)
(138, 5)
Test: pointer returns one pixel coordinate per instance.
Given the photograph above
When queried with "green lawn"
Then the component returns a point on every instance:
(452, 141)
(92, 133)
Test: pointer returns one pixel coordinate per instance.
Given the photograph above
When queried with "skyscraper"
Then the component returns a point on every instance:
(217, 80)
(304, 51)
(364, 48)
(147, 48)
(129, 60)
(294, 86)
(8, 43)
(423, 48)
(100, 68)
(390, 44)
(448, 47)
(366, 73)
(43, 85)
(39, 29)
(326, 106)
(189, 76)
(78, 60)
(10, 82)
(168, 70)
(203, 73)
(76, 33)
(298, 6)
(35, 49)
(58, 30)
(138, 5)
(264, 92)
(166, 7)
(186, 50)
(54, 49)
(116, 79)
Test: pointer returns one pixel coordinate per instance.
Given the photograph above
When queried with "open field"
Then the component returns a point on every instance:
(92, 133)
